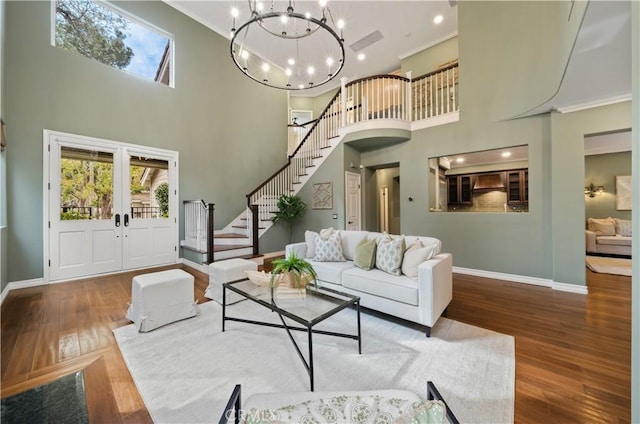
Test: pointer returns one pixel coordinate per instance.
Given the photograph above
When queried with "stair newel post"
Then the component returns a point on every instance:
(254, 228)
(210, 230)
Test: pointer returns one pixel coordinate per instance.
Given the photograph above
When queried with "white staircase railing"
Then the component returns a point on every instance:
(372, 98)
(287, 178)
(198, 227)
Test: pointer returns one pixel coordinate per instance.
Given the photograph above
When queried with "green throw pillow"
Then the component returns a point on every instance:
(365, 257)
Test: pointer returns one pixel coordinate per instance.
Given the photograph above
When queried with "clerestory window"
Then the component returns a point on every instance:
(104, 33)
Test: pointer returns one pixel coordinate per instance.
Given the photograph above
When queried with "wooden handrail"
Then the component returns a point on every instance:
(315, 124)
(437, 71)
(398, 77)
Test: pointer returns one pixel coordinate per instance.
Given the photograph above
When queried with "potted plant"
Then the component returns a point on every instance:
(290, 208)
(292, 272)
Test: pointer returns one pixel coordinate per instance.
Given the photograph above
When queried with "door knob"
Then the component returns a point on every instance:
(126, 220)
(117, 220)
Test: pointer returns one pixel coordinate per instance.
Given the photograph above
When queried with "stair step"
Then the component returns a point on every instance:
(223, 247)
(244, 227)
(193, 249)
(230, 236)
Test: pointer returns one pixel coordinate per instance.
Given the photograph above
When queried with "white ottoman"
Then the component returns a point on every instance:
(160, 298)
(225, 271)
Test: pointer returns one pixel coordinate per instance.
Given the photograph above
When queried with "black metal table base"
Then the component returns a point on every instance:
(307, 362)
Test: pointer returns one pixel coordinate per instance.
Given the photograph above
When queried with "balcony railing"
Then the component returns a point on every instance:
(373, 98)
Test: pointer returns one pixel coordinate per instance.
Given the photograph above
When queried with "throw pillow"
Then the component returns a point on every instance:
(603, 227)
(310, 240)
(365, 257)
(623, 227)
(389, 254)
(329, 250)
(414, 256)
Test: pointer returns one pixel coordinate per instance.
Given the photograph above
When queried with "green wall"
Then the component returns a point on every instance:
(430, 59)
(635, 160)
(230, 132)
(602, 170)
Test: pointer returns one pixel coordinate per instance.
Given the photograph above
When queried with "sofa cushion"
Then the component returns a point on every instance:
(426, 241)
(623, 227)
(379, 283)
(389, 254)
(614, 240)
(310, 240)
(602, 227)
(415, 254)
(328, 250)
(350, 240)
(365, 257)
(331, 272)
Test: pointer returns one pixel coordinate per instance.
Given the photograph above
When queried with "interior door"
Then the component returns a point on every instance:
(149, 222)
(384, 210)
(353, 196)
(85, 235)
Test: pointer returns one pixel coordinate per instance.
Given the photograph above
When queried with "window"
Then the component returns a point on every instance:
(487, 181)
(101, 32)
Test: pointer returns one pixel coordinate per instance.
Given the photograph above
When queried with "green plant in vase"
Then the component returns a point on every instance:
(290, 208)
(293, 272)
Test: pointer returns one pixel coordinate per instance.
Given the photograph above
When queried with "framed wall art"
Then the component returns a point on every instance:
(623, 192)
(322, 196)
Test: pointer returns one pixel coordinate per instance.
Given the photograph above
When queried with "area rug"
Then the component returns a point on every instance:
(60, 401)
(186, 371)
(604, 265)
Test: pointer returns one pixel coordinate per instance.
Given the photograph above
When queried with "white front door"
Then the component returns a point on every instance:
(352, 212)
(149, 222)
(110, 206)
(84, 235)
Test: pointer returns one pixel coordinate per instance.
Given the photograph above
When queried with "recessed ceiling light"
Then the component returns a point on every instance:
(361, 56)
(459, 160)
(506, 154)
(438, 19)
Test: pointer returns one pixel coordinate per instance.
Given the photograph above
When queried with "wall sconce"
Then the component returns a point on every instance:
(591, 190)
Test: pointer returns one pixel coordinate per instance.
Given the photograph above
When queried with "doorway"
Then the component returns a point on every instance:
(353, 196)
(109, 206)
(382, 198)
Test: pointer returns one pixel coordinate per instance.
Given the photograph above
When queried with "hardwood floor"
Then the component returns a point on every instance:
(573, 352)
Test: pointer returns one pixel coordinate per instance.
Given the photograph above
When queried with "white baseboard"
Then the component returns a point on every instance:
(523, 279)
(571, 288)
(198, 267)
(15, 285)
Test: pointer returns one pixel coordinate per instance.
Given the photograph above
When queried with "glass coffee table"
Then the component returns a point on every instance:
(318, 305)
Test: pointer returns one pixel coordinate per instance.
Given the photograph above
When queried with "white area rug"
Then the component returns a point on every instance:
(186, 371)
(604, 265)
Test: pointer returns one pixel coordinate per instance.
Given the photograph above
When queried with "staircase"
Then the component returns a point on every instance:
(389, 97)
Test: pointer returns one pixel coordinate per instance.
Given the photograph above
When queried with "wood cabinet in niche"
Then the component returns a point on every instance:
(518, 187)
(460, 190)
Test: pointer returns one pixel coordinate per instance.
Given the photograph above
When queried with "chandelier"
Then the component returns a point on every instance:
(297, 50)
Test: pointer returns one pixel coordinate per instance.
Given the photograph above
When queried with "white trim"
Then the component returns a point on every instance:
(595, 103)
(428, 45)
(198, 267)
(447, 118)
(15, 285)
(523, 279)
(536, 281)
(571, 288)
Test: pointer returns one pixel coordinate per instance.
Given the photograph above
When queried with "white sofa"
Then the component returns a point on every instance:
(608, 236)
(421, 300)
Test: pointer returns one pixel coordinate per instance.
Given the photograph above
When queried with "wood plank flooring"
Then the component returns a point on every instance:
(573, 352)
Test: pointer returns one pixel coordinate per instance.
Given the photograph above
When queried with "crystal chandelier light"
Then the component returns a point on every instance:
(297, 50)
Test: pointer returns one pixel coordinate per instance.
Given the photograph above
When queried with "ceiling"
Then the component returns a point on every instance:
(598, 72)
(406, 26)
(489, 157)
